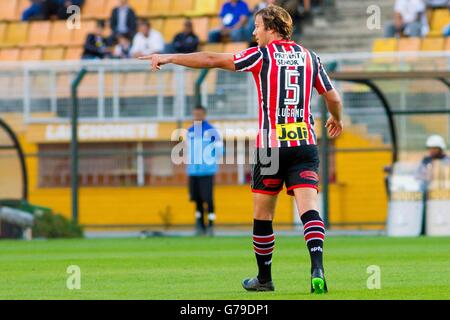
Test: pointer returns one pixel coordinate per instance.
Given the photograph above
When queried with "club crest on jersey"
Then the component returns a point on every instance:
(290, 59)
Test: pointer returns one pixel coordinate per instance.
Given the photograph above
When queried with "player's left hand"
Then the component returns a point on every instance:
(334, 127)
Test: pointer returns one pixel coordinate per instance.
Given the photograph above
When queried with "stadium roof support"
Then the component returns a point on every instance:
(16, 146)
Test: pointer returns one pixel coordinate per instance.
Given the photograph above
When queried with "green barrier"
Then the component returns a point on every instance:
(25, 206)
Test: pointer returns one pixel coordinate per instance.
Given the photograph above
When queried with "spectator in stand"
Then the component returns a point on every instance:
(95, 45)
(64, 5)
(235, 15)
(147, 41)
(185, 41)
(410, 19)
(300, 11)
(122, 50)
(123, 19)
(50, 8)
(34, 12)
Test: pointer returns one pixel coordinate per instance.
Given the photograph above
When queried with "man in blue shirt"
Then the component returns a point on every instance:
(234, 19)
(204, 147)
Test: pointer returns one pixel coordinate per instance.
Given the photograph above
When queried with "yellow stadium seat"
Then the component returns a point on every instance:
(31, 54)
(447, 44)
(214, 22)
(74, 53)
(53, 54)
(140, 7)
(201, 28)
(8, 9)
(60, 34)
(172, 27)
(180, 7)
(9, 54)
(234, 47)
(157, 24)
(2, 31)
(385, 45)
(94, 9)
(21, 6)
(213, 47)
(16, 33)
(432, 44)
(159, 8)
(79, 35)
(409, 44)
(39, 33)
(441, 17)
(204, 7)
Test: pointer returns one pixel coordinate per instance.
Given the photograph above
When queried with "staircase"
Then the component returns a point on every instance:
(343, 28)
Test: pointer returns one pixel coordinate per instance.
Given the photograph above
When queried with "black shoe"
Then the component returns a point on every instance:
(253, 284)
(318, 282)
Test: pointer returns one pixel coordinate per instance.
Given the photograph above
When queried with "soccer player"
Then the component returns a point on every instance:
(285, 74)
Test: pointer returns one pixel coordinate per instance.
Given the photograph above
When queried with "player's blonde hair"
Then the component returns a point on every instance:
(277, 19)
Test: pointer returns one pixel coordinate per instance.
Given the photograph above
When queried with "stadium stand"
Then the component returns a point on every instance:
(8, 10)
(167, 17)
(51, 40)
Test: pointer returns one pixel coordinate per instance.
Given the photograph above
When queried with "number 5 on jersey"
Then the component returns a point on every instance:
(292, 86)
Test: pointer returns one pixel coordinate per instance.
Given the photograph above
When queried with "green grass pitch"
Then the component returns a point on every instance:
(212, 268)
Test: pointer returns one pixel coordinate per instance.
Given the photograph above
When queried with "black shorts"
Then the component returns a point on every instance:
(201, 188)
(298, 167)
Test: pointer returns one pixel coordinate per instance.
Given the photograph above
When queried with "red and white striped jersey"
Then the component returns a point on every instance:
(285, 74)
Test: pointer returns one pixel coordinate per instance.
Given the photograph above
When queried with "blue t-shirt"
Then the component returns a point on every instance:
(231, 13)
(204, 149)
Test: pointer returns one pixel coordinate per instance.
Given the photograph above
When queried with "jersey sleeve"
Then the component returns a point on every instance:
(322, 82)
(247, 60)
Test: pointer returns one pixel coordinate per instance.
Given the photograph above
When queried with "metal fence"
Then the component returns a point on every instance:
(125, 90)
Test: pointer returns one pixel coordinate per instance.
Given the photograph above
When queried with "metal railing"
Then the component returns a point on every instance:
(126, 91)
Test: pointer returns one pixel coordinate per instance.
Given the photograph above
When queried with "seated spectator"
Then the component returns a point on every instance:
(147, 41)
(122, 50)
(185, 41)
(123, 19)
(234, 14)
(50, 8)
(34, 12)
(63, 5)
(410, 19)
(95, 45)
